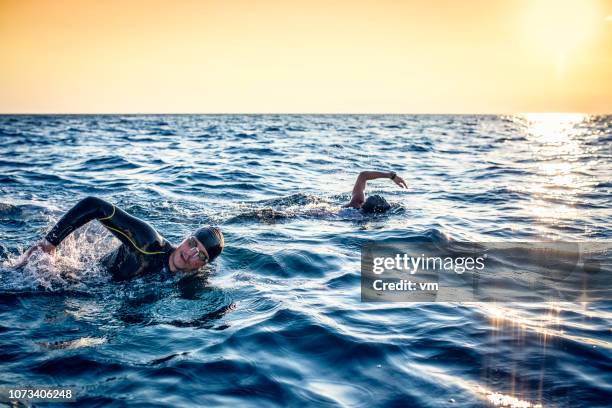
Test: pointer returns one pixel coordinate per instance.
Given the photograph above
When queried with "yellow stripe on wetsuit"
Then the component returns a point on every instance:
(125, 235)
(109, 217)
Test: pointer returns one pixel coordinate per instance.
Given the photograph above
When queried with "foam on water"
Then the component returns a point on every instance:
(73, 267)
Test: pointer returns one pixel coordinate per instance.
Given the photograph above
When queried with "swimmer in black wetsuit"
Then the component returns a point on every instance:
(143, 249)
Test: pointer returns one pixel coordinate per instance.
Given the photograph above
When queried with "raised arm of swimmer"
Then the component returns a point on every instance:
(143, 250)
(126, 228)
(358, 198)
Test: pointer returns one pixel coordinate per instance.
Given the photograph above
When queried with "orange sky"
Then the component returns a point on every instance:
(437, 56)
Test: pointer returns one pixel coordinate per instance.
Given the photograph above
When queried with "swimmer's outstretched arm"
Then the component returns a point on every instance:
(129, 229)
(358, 197)
(87, 209)
(84, 211)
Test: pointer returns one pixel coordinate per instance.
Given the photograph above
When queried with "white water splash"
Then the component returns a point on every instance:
(74, 265)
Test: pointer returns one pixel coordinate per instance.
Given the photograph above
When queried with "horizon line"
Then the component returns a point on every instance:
(293, 113)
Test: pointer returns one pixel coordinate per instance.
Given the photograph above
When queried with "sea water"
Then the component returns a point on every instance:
(277, 320)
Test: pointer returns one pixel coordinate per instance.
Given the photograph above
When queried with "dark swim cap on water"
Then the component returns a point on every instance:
(375, 204)
(212, 239)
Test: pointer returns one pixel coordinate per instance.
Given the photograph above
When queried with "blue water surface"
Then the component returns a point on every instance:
(277, 320)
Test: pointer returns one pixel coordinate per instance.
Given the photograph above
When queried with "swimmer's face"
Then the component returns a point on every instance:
(189, 256)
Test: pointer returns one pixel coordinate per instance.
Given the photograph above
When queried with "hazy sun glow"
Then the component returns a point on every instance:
(561, 26)
(441, 56)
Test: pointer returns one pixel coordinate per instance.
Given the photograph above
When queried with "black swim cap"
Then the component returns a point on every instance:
(212, 239)
(375, 204)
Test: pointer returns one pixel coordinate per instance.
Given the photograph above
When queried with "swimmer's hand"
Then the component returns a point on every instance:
(44, 246)
(400, 181)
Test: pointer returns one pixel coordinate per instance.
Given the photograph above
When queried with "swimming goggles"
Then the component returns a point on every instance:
(193, 243)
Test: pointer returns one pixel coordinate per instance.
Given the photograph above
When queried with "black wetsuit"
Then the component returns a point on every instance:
(143, 249)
